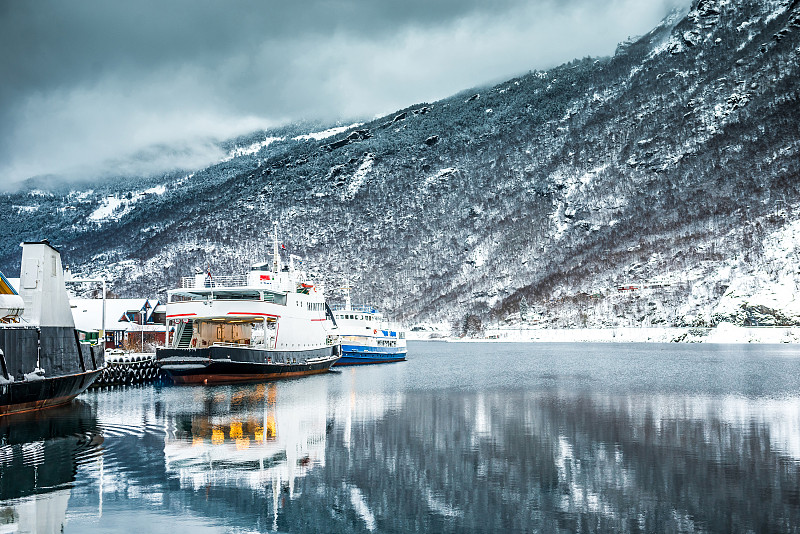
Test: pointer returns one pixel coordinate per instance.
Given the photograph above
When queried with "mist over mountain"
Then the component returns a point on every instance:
(671, 167)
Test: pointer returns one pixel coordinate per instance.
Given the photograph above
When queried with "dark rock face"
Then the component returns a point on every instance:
(353, 137)
(671, 157)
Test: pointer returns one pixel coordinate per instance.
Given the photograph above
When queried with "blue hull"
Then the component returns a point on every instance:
(361, 355)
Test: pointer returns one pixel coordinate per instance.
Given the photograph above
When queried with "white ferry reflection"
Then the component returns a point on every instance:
(44, 513)
(261, 443)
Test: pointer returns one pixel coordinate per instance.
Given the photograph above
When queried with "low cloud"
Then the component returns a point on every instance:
(98, 89)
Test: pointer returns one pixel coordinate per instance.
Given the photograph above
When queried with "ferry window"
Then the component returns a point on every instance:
(275, 298)
(237, 295)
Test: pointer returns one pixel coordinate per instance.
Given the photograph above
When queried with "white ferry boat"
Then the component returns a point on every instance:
(366, 336)
(272, 322)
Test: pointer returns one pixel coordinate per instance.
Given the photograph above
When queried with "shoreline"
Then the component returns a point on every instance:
(723, 333)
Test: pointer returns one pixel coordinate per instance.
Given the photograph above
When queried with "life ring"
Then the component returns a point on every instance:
(194, 342)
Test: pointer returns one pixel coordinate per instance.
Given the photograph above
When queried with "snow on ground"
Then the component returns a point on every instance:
(774, 284)
(250, 149)
(358, 177)
(724, 333)
(114, 207)
(730, 333)
(26, 209)
(441, 176)
(80, 196)
(157, 190)
(39, 193)
(316, 136)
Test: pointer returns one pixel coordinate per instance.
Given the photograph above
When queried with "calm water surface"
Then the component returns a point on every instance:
(484, 437)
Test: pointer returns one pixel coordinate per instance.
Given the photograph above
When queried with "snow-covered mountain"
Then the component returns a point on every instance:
(671, 167)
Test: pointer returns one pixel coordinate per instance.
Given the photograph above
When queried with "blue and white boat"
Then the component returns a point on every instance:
(367, 337)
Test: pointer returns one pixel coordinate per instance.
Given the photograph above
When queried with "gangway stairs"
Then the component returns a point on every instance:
(185, 334)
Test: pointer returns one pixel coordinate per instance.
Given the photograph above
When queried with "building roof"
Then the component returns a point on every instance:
(121, 314)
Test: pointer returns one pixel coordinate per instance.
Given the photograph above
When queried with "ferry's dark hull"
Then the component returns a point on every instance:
(24, 396)
(363, 355)
(69, 367)
(226, 365)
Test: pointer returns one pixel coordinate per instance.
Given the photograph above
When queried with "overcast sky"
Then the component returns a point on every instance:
(84, 85)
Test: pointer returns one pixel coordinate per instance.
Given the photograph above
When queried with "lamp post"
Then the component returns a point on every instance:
(141, 314)
(102, 336)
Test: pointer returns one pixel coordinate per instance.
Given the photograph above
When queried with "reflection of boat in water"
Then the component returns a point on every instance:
(45, 513)
(272, 323)
(256, 441)
(39, 456)
(367, 337)
(42, 362)
(40, 450)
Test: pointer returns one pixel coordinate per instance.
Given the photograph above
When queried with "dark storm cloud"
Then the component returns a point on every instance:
(88, 83)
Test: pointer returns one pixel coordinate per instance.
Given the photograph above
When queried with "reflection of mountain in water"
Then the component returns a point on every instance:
(330, 455)
(516, 462)
(39, 456)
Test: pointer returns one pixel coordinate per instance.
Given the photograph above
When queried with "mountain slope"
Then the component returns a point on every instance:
(673, 164)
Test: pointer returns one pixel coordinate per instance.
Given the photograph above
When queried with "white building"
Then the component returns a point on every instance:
(137, 320)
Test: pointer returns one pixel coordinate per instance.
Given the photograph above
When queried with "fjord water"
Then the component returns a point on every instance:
(463, 437)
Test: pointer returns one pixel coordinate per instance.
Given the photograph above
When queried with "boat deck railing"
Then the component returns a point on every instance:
(363, 308)
(192, 282)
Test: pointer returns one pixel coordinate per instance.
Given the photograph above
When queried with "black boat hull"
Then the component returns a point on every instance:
(69, 366)
(25, 396)
(226, 365)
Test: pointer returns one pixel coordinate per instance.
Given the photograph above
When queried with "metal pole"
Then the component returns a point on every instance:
(103, 324)
(142, 314)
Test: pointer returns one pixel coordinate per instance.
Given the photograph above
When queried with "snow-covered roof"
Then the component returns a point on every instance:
(88, 314)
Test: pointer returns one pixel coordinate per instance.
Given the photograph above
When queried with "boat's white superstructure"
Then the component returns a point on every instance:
(366, 335)
(272, 320)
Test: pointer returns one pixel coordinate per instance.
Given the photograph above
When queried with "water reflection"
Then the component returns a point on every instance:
(249, 440)
(419, 448)
(39, 456)
(556, 461)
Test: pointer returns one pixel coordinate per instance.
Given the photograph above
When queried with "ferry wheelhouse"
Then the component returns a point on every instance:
(272, 322)
(367, 337)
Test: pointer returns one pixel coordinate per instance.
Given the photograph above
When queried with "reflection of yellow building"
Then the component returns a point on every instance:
(256, 437)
